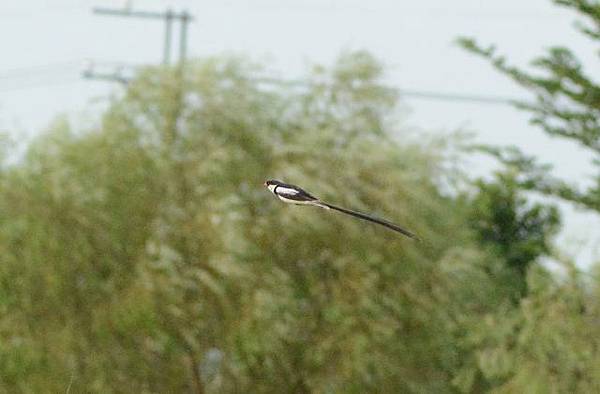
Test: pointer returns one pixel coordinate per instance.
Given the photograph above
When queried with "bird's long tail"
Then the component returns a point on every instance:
(369, 218)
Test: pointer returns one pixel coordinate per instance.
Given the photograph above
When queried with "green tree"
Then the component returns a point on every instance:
(143, 254)
(548, 342)
(517, 231)
(566, 106)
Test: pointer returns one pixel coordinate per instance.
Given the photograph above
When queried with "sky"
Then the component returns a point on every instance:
(47, 44)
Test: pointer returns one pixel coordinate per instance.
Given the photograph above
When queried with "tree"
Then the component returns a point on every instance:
(549, 341)
(513, 228)
(566, 106)
(143, 254)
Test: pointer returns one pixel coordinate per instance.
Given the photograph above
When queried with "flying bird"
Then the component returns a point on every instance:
(293, 194)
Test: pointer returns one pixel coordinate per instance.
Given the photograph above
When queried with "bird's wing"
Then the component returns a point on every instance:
(294, 193)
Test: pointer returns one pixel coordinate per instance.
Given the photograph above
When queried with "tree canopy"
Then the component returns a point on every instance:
(566, 106)
(142, 254)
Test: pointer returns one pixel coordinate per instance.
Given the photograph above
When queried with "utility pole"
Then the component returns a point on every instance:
(168, 29)
(168, 16)
(185, 18)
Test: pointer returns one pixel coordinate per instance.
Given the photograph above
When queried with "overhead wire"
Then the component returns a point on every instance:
(63, 67)
(72, 66)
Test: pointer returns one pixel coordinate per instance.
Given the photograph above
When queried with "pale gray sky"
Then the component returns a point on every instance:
(46, 43)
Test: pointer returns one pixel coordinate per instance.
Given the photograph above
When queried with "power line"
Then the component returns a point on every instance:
(38, 76)
(416, 94)
(21, 72)
(52, 82)
(122, 74)
(71, 68)
(404, 93)
(43, 11)
(470, 98)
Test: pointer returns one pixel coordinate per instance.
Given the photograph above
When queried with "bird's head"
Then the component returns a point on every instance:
(271, 184)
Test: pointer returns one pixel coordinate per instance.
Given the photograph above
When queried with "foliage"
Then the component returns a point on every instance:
(517, 231)
(144, 255)
(549, 342)
(566, 106)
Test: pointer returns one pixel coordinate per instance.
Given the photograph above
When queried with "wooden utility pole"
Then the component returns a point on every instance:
(168, 16)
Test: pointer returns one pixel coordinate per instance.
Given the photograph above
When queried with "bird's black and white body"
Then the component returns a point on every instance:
(293, 194)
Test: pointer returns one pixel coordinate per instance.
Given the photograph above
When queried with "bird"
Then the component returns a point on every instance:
(293, 194)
